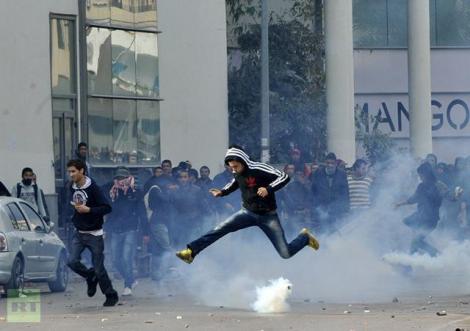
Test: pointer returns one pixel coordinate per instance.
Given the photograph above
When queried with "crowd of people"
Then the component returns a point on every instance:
(175, 205)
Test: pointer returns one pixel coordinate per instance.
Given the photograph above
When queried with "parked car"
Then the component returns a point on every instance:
(29, 249)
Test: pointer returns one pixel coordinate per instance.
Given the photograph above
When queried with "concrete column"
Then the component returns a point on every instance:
(340, 79)
(419, 77)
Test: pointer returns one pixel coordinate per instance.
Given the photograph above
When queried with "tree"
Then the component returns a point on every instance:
(297, 82)
(377, 145)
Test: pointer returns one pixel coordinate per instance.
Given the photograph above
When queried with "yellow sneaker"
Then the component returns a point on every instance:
(186, 255)
(312, 242)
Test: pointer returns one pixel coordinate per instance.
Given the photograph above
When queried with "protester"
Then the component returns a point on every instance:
(82, 154)
(188, 203)
(157, 174)
(258, 183)
(424, 220)
(90, 205)
(160, 244)
(30, 192)
(295, 200)
(359, 184)
(128, 217)
(330, 195)
(228, 204)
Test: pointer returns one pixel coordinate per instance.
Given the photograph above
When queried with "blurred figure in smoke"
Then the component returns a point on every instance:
(330, 195)
(359, 184)
(424, 220)
(257, 182)
(298, 162)
(455, 210)
(159, 245)
(157, 173)
(432, 160)
(188, 203)
(295, 199)
(228, 204)
(442, 173)
(182, 166)
(193, 176)
(206, 183)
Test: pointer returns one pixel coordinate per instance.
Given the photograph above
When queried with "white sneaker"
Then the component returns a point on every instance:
(134, 284)
(127, 291)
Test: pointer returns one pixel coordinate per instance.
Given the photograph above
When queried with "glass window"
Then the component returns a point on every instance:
(63, 104)
(432, 21)
(34, 219)
(100, 135)
(62, 56)
(98, 12)
(145, 14)
(12, 219)
(397, 23)
(146, 64)
(99, 60)
(370, 23)
(122, 13)
(453, 22)
(123, 62)
(125, 131)
(148, 131)
(56, 144)
(122, 67)
(21, 223)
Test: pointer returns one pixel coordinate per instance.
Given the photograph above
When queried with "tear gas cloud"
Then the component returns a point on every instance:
(273, 297)
(363, 262)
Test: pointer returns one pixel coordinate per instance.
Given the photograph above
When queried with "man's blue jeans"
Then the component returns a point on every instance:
(123, 247)
(269, 223)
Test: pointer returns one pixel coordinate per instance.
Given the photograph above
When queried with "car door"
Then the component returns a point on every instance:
(39, 230)
(27, 239)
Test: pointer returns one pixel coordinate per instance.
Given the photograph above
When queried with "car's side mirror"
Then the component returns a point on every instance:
(39, 228)
(50, 227)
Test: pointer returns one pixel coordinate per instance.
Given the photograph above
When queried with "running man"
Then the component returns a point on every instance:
(257, 183)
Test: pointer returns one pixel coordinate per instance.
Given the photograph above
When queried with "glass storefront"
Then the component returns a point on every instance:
(123, 84)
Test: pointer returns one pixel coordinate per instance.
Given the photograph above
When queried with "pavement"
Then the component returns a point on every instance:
(159, 307)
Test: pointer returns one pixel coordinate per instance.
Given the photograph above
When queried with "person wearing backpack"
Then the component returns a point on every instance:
(30, 192)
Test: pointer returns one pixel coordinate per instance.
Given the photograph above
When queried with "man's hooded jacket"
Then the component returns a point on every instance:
(254, 176)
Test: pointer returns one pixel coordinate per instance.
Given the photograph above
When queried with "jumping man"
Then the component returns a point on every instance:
(257, 183)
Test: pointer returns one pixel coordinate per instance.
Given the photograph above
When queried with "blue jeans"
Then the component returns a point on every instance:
(123, 247)
(95, 244)
(268, 223)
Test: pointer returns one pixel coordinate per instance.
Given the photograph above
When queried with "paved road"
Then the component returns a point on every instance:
(151, 308)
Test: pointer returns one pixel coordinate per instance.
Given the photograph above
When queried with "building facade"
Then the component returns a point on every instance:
(381, 71)
(138, 80)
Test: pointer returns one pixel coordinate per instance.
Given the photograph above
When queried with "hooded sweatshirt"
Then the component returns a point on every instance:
(92, 196)
(254, 176)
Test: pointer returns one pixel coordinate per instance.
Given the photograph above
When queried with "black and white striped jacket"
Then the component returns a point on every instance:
(255, 175)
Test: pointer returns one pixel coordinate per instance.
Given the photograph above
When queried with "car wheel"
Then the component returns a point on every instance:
(17, 275)
(62, 276)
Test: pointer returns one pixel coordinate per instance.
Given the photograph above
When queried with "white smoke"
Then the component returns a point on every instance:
(362, 262)
(273, 298)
